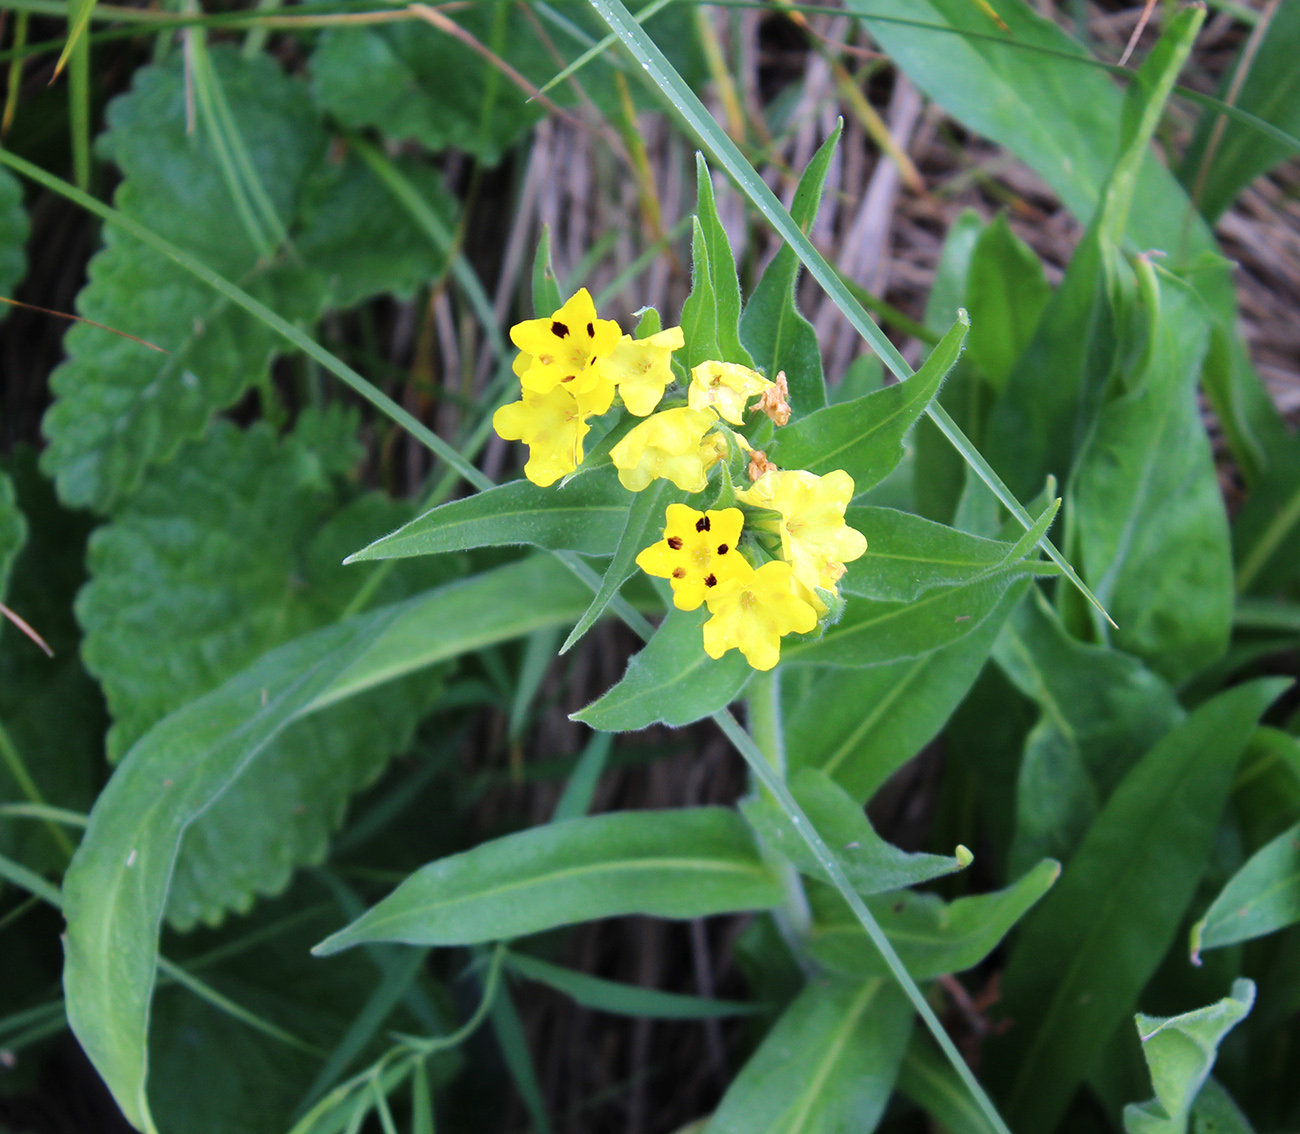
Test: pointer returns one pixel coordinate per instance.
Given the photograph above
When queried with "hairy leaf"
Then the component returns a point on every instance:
(932, 937)
(828, 1065)
(681, 864)
(1083, 957)
(722, 271)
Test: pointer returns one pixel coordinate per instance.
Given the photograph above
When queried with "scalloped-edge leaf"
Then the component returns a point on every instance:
(686, 863)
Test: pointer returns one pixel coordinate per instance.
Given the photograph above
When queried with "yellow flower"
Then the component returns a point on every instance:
(641, 368)
(552, 425)
(815, 540)
(564, 348)
(698, 552)
(669, 444)
(752, 615)
(726, 387)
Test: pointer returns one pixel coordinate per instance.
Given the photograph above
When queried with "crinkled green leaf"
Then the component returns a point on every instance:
(116, 887)
(685, 863)
(120, 407)
(932, 937)
(861, 725)
(1148, 519)
(1100, 710)
(865, 437)
(1262, 897)
(872, 865)
(772, 326)
(828, 1064)
(672, 680)
(1084, 956)
(1180, 1052)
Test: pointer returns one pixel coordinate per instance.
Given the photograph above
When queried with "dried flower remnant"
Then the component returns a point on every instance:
(725, 387)
(775, 401)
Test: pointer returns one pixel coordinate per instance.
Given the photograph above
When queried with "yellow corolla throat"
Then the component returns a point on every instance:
(564, 348)
(697, 554)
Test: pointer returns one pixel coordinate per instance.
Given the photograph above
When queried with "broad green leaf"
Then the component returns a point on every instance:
(586, 515)
(1180, 1052)
(116, 887)
(13, 531)
(1272, 91)
(859, 726)
(865, 436)
(1084, 956)
(873, 632)
(687, 863)
(827, 1066)
(722, 271)
(1100, 710)
(931, 936)
(121, 407)
(1148, 516)
(625, 999)
(700, 310)
(929, 1080)
(1262, 897)
(14, 229)
(872, 865)
(645, 524)
(1006, 294)
(671, 680)
(772, 327)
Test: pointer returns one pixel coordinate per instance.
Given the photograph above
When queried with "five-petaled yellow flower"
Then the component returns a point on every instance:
(725, 387)
(752, 614)
(564, 348)
(671, 445)
(815, 540)
(552, 425)
(697, 554)
(642, 368)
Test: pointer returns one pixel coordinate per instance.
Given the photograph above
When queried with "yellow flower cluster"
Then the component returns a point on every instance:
(764, 569)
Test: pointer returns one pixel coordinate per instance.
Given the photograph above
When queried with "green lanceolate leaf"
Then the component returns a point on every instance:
(546, 287)
(865, 436)
(671, 680)
(772, 327)
(117, 885)
(1149, 523)
(929, 1081)
(13, 531)
(1180, 1052)
(1083, 957)
(872, 865)
(645, 523)
(586, 515)
(859, 726)
(700, 311)
(1262, 897)
(722, 270)
(14, 228)
(1006, 294)
(680, 864)
(874, 632)
(931, 936)
(828, 1064)
(1100, 710)
(1272, 91)
(625, 999)
(121, 407)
